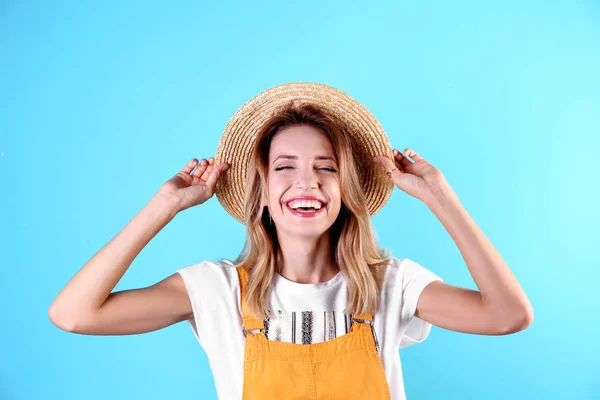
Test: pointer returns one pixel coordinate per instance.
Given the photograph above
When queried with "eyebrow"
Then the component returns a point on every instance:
(290, 157)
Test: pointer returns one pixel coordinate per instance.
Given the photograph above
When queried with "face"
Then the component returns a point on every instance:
(303, 180)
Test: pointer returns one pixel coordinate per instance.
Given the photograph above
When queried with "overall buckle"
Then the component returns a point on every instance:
(369, 322)
(245, 332)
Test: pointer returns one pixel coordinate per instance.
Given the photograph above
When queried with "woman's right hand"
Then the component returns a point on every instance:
(191, 190)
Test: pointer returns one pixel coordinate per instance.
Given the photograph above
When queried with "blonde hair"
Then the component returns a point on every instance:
(353, 243)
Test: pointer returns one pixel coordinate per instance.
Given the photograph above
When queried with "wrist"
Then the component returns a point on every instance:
(441, 197)
(167, 203)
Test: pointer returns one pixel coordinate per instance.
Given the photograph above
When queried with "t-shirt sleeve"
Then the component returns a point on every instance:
(213, 289)
(415, 278)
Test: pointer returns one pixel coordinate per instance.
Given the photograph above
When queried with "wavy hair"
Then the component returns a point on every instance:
(353, 241)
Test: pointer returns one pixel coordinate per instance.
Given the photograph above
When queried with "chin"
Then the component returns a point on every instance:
(306, 229)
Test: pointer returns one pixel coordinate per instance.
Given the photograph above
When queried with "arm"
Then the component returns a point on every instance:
(500, 306)
(86, 304)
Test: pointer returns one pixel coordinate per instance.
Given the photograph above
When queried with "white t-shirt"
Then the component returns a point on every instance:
(214, 292)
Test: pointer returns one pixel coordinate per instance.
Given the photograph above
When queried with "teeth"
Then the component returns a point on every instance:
(305, 203)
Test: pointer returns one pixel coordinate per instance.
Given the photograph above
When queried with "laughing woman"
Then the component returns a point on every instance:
(312, 308)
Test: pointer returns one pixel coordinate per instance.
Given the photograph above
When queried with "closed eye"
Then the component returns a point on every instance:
(286, 167)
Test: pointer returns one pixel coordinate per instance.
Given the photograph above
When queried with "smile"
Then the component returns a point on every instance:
(305, 213)
(305, 207)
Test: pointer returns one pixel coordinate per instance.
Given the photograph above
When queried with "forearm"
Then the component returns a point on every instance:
(499, 288)
(91, 286)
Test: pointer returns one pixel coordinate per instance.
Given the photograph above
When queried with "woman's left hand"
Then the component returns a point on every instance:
(419, 179)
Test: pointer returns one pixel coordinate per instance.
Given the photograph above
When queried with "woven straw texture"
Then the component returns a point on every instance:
(365, 132)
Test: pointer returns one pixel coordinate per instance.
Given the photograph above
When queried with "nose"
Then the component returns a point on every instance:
(306, 179)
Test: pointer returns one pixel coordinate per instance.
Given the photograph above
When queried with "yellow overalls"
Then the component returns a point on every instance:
(346, 367)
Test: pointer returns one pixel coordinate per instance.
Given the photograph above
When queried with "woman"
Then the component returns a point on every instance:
(311, 308)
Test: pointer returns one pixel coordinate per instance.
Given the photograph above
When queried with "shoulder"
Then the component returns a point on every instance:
(210, 273)
(400, 271)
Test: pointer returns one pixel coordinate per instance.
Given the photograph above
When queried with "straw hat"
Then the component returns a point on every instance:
(365, 132)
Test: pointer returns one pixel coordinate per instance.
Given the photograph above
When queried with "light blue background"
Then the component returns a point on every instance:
(101, 103)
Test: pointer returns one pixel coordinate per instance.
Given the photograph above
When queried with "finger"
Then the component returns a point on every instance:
(412, 154)
(201, 168)
(401, 160)
(190, 166)
(390, 167)
(214, 175)
(209, 170)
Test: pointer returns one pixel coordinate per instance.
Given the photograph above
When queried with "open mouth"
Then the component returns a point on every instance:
(305, 207)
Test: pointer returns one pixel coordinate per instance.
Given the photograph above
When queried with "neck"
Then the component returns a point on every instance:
(307, 260)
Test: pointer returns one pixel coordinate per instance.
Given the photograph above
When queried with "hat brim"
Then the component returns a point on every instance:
(364, 131)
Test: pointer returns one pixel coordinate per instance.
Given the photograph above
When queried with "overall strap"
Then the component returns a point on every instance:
(366, 319)
(249, 321)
